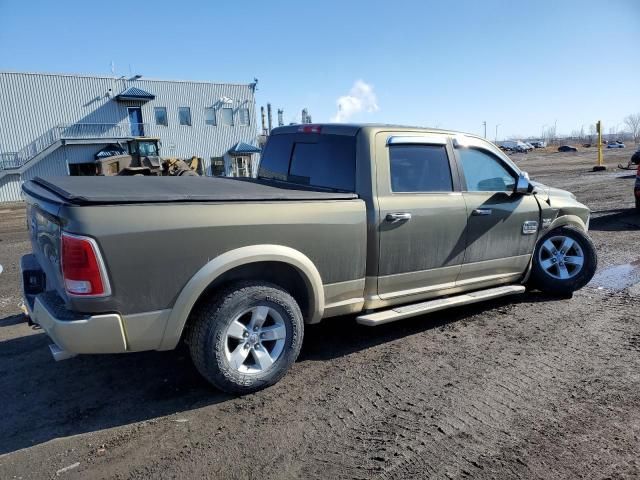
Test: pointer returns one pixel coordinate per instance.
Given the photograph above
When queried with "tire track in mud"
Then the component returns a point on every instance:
(418, 432)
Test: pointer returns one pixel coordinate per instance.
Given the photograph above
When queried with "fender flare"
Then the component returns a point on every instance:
(564, 220)
(213, 269)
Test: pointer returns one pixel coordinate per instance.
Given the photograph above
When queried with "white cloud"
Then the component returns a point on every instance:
(361, 98)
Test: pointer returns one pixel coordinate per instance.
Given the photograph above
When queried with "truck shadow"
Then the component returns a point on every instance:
(624, 219)
(340, 336)
(43, 400)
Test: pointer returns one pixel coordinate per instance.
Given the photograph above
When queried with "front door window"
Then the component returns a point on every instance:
(135, 121)
(242, 167)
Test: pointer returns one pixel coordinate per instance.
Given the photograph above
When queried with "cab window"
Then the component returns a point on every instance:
(485, 173)
(419, 168)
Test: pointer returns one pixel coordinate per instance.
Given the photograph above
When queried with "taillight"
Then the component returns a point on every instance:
(82, 267)
(310, 129)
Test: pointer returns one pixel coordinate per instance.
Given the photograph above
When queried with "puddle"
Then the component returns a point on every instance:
(617, 277)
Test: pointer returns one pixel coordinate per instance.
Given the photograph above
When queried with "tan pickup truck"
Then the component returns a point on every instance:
(375, 221)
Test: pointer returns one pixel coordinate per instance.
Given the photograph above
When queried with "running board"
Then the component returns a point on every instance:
(406, 311)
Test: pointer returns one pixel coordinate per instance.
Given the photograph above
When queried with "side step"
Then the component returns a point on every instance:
(406, 311)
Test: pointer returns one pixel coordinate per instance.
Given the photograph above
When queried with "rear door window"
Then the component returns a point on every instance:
(318, 160)
(420, 168)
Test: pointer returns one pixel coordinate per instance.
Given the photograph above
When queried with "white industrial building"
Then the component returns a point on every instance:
(51, 124)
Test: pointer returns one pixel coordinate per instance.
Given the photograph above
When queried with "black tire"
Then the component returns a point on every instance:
(638, 205)
(209, 344)
(546, 282)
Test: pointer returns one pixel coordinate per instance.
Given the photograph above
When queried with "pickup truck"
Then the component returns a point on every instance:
(374, 221)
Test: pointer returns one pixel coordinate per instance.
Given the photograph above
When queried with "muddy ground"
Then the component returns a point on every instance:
(525, 387)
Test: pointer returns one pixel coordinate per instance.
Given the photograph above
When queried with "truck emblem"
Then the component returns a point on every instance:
(529, 227)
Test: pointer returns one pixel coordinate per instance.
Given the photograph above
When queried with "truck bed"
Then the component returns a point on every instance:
(123, 190)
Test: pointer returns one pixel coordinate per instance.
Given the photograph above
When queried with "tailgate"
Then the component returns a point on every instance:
(44, 227)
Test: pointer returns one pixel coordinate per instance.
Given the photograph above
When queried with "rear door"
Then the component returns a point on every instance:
(422, 218)
(502, 226)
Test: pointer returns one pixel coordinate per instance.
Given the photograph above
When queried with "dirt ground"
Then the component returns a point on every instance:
(524, 387)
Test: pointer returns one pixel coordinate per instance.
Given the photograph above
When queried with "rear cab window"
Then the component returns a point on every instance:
(313, 159)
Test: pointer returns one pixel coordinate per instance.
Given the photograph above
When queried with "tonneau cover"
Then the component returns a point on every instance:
(143, 189)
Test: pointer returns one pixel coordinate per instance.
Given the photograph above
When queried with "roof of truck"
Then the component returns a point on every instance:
(353, 128)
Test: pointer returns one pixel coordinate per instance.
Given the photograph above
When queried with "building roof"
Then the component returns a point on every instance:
(242, 147)
(113, 77)
(133, 93)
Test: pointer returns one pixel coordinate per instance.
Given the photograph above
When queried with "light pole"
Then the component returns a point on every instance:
(485, 128)
(496, 139)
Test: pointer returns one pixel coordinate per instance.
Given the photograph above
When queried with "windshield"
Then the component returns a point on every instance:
(148, 148)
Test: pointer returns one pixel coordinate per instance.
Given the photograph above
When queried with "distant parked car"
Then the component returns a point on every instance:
(615, 145)
(567, 148)
(515, 146)
(538, 144)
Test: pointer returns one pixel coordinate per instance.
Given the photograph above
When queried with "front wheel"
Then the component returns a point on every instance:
(564, 261)
(247, 337)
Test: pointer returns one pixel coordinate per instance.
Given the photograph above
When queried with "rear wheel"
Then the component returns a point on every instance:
(247, 337)
(564, 261)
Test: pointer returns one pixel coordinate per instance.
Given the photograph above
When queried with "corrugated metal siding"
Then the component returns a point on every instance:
(10, 188)
(31, 104)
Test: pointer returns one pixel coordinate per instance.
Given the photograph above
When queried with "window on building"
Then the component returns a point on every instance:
(244, 116)
(161, 116)
(184, 114)
(419, 168)
(217, 166)
(210, 116)
(485, 173)
(227, 116)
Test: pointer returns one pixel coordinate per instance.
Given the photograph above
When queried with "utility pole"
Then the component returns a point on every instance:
(497, 125)
(485, 128)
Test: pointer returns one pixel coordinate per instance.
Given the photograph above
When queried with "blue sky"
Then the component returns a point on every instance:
(449, 64)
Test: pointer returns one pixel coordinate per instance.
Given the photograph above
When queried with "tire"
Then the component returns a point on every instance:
(554, 274)
(637, 205)
(226, 349)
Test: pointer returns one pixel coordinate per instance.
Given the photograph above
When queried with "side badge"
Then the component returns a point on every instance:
(529, 227)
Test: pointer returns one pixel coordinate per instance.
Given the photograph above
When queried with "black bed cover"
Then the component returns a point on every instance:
(142, 189)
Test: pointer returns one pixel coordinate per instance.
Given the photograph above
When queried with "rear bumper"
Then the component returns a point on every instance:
(72, 332)
(76, 333)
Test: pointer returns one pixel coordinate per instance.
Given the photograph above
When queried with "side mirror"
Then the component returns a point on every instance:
(523, 187)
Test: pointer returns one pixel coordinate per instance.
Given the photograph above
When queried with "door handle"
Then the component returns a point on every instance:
(482, 211)
(398, 217)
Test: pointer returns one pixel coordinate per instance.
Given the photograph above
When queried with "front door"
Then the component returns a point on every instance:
(423, 216)
(135, 120)
(502, 226)
(242, 166)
